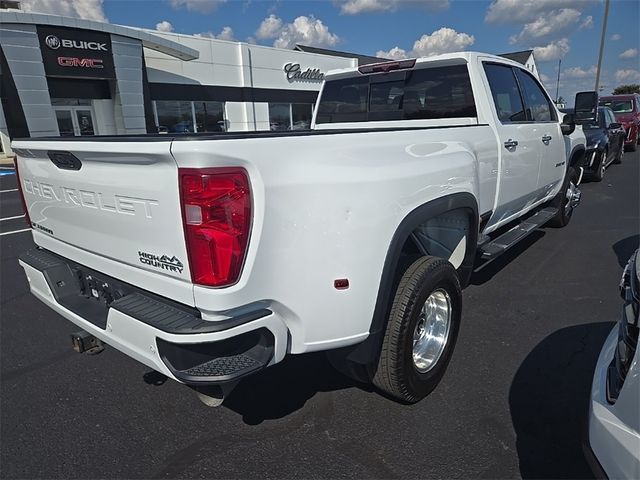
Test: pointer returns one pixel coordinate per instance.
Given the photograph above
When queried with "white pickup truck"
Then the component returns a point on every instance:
(211, 257)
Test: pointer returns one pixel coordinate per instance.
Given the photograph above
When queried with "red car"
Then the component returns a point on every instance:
(626, 108)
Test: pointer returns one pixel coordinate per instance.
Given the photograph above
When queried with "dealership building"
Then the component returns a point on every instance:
(63, 76)
(68, 76)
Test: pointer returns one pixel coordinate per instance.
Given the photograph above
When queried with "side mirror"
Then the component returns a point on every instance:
(615, 126)
(568, 124)
(586, 106)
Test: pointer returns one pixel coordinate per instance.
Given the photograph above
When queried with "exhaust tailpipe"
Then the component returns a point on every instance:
(214, 395)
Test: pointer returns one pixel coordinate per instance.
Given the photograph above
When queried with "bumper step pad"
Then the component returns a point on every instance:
(219, 367)
(218, 362)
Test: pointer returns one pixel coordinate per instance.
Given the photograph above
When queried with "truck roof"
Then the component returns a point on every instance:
(624, 96)
(455, 57)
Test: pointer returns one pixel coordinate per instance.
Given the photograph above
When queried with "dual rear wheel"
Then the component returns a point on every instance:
(421, 331)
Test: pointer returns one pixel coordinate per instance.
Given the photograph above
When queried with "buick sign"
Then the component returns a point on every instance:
(55, 43)
(52, 42)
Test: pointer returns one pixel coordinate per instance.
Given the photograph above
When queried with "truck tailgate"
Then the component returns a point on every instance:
(117, 200)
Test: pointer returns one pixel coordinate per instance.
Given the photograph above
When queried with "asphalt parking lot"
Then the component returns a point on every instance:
(512, 404)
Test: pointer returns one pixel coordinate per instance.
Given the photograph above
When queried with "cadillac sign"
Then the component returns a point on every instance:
(294, 73)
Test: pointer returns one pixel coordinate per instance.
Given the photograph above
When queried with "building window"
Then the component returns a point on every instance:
(70, 102)
(209, 116)
(280, 116)
(301, 116)
(173, 116)
(290, 116)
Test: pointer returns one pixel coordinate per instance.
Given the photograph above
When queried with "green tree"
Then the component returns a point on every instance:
(626, 89)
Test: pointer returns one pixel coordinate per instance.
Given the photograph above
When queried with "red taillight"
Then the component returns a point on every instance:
(216, 213)
(21, 192)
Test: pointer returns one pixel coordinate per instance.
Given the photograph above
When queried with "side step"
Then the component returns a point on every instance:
(492, 249)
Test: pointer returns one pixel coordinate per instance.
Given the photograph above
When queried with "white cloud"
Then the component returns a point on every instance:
(164, 26)
(545, 79)
(552, 51)
(200, 6)
(269, 28)
(526, 11)
(627, 75)
(304, 30)
(579, 72)
(445, 40)
(587, 22)
(629, 54)
(225, 34)
(396, 53)
(85, 9)
(615, 37)
(355, 7)
(550, 24)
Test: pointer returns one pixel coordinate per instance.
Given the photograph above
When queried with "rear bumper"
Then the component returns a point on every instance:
(157, 332)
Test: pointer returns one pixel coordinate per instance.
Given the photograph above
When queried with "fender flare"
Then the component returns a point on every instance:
(366, 353)
(574, 156)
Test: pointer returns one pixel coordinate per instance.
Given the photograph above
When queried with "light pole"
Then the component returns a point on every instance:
(604, 32)
(558, 82)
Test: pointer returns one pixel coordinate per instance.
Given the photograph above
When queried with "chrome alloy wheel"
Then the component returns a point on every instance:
(573, 198)
(432, 330)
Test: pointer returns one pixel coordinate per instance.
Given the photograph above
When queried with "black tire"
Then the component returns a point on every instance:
(618, 159)
(561, 202)
(634, 145)
(598, 171)
(396, 374)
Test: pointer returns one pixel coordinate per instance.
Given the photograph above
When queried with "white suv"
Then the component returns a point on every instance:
(614, 414)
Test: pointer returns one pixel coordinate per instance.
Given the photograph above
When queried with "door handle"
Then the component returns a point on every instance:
(511, 143)
(546, 139)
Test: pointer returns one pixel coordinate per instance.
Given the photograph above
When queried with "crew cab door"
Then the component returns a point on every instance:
(546, 131)
(614, 132)
(519, 145)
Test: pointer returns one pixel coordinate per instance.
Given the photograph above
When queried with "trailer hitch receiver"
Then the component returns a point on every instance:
(85, 342)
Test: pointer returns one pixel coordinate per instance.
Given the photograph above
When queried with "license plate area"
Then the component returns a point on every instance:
(90, 294)
(86, 293)
(97, 288)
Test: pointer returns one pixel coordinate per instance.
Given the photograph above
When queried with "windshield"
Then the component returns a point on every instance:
(618, 106)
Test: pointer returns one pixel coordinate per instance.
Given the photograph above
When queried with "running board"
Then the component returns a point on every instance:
(492, 249)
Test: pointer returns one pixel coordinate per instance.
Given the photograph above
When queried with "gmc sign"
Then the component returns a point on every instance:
(80, 62)
(69, 52)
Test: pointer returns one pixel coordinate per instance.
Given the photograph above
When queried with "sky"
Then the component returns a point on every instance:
(566, 30)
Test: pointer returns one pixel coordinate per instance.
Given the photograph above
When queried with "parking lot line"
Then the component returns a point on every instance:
(10, 190)
(11, 218)
(15, 231)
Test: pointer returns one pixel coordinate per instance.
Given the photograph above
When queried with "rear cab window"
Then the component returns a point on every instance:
(422, 93)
